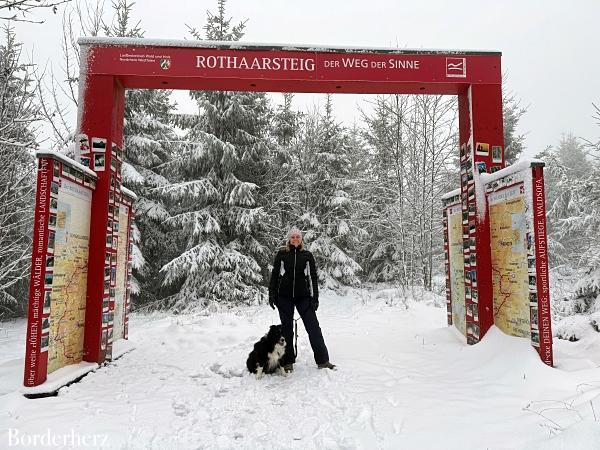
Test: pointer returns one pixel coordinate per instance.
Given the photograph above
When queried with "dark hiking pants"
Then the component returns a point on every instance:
(311, 324)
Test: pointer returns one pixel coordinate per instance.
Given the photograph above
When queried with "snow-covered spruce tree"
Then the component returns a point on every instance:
(17, 175)
(573, 187)
(587, 289)
(326, 200)
(562, 201)
(150, 142)
(360, 190)
(283, 182)
(286, 122)
(566, 174)
(218, 193)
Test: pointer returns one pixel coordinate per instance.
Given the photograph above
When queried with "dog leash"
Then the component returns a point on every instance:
(296, 333)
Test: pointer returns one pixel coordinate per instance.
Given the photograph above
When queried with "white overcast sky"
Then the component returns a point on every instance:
(550, 48)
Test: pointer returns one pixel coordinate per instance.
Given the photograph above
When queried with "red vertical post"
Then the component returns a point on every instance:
(481, 134)
(100, 116)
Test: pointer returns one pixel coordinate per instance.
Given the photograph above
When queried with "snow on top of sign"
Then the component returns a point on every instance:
(66, 160)
(517, 167)
(451, 194)
(128, 193)
(236, 45)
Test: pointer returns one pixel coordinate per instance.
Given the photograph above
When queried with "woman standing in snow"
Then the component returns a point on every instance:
(294, 283)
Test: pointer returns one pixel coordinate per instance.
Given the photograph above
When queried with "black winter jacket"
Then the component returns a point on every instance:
(294, 274)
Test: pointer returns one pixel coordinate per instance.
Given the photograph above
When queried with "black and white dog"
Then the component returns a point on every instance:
(267, 354)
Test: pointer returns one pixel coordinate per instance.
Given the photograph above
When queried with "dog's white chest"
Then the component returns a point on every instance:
(276, 355)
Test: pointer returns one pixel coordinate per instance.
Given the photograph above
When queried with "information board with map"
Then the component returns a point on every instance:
(519, 254)
(58, 281)
(69, 280)
(77, 305)
(510, 278)
(520, 301)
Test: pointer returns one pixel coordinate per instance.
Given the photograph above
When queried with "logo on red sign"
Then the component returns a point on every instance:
(165, 64)
(456, 67)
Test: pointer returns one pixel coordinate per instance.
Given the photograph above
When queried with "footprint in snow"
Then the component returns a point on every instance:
(226, 372)
(180, 408)
(392, 401)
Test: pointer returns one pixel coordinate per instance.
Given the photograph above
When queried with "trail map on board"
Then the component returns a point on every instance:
(69, 284)
(508, 232)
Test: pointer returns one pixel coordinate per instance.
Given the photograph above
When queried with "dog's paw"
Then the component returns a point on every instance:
(282, 372)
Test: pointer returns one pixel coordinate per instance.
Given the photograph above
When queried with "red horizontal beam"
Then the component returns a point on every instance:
(293, 71)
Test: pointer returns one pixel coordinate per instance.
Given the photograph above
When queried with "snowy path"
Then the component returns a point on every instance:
(405, 381)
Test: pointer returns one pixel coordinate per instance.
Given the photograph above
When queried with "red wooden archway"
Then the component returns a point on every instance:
(109, 66)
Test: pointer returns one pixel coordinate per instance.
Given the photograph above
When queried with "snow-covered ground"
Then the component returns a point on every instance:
(405, 381)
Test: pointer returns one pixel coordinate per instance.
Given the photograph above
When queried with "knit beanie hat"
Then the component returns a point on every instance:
(293, 230)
